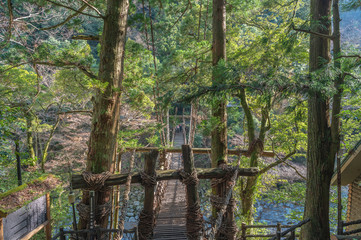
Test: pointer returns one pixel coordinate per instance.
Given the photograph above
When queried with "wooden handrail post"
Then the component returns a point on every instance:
(48, 217)
(293, 235)
(278, 232)
(62, 236)
(146, 222)
(194, 216)
(1, 229)
(244, 230)
(340, 228)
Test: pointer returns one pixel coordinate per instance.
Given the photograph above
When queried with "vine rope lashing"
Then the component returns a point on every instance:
(148, 180)
(95, 182)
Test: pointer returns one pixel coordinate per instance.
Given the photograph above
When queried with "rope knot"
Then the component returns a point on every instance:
(228, 177)
(95, 181)
(148, 180)
(189, 178)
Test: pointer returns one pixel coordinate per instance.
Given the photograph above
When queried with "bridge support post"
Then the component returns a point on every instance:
(194, 216)
(146, 219)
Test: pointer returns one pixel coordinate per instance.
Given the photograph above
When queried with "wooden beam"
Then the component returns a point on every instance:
(198, 151)
(35, 231)
(86, 37)
(339, 237)
(202, 173)
(180, 116)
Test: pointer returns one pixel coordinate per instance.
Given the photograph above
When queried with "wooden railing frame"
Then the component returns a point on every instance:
(275, 236)
(236, 152)
(161, 175)
(45, 225)
(93, 232)
(345, 224)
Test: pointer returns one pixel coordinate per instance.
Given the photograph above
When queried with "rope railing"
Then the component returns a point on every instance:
(124, 208)
(162, 185)
(223, 205)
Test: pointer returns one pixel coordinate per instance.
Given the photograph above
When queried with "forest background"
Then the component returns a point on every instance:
(49, 67)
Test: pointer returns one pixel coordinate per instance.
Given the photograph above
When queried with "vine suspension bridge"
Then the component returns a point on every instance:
(171, 202)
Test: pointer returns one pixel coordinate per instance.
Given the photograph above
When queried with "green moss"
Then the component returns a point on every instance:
(21, 187)
(5, 212)
(17, 189)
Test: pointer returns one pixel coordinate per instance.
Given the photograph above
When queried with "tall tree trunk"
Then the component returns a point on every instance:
(29, 134)
(255, 149)
(320, 161)
(184, 128)
(336, 102)
(219, 132)
(47, 144)
(168, 127)
(219, 110)
(102, 143)
(193, 122)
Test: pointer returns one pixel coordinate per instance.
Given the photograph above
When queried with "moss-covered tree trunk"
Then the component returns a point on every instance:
(320, 155)
(255, 150)
(29, 133)
(102, 142)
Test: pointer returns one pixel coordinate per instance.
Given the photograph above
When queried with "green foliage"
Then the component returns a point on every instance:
(73, 86)
(138, 81)
(60, 52)
(294, 193)
(10, 178)
(18, 84)
(289, 129)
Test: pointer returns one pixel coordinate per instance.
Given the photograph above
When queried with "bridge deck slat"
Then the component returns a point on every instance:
(171, 219)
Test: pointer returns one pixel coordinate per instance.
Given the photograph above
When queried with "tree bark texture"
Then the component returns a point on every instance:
(219, 106)
(219, 133)
(29, 133)
(193, 122)
(248, 191)
(320, 160)
(102, 142)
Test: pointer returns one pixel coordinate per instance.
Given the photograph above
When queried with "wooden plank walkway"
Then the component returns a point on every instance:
(171, 221)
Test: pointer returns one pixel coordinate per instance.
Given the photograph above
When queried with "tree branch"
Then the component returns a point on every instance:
(350, 56)
(73, 9)
(94, 8)
(314, 33)
(63, 64)
(76, 111)
(279, 161)
(67, 19)
(348, 74)
(297, 172)
(86, 37)
(180, 17)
